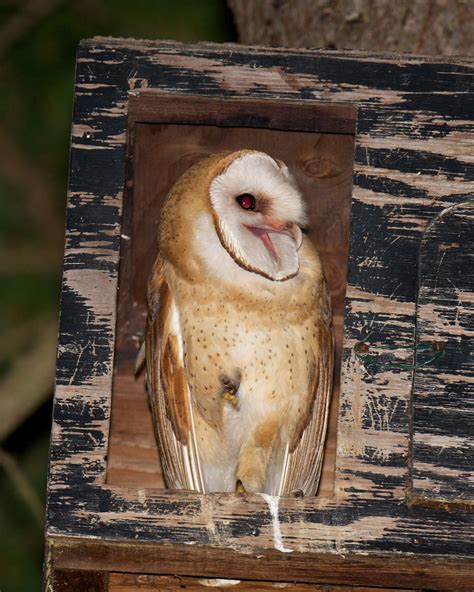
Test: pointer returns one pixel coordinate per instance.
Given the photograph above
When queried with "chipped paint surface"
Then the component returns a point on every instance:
(443, 440)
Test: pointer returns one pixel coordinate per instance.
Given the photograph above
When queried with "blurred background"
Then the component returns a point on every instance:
(38, 42)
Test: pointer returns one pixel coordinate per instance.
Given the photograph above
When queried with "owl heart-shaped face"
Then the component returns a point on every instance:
(258, 212)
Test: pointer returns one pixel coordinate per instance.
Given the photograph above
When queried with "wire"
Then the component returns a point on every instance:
(364, 356)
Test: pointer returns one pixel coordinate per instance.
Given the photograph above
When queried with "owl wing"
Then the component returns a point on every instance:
(168, 389)
(304, 452)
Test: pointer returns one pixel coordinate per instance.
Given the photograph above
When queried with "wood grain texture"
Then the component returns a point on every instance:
(413, 159)
(443, 395)
(229, 112)
(68, 580)
(267, 566)
(120, 582)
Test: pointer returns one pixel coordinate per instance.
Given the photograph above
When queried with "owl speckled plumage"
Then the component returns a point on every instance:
(238, 347)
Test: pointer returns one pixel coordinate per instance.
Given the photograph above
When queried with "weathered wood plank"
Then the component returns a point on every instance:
(78, 581)
(148, 106)
(121, 582)
(443, 393)
(339, 529)
(398, 571)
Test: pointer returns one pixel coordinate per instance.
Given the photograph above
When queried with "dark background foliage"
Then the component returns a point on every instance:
(38, 43)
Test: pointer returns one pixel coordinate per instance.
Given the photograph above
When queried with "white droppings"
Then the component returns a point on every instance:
(218, 582)
(273, 501)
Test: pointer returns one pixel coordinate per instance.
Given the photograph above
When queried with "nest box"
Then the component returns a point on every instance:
(381, 146)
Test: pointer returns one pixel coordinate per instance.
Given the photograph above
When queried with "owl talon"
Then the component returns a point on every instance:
(228, 396)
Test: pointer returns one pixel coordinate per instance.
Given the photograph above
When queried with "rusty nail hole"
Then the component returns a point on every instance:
(437, 346)
(361, 348)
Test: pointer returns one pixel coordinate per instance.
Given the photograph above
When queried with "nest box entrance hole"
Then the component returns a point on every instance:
(159, 153)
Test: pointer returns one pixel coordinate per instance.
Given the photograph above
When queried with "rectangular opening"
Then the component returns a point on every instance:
(166, 137)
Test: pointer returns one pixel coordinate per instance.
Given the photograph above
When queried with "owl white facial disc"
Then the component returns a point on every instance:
(259, 210)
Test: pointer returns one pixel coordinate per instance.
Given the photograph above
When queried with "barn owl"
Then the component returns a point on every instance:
(238, 345)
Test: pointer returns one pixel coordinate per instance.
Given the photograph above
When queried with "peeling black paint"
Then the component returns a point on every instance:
(78, 505)
(415, 161)
(443, 396)
(85, 342)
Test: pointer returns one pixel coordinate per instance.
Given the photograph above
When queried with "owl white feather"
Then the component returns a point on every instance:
(238, 348)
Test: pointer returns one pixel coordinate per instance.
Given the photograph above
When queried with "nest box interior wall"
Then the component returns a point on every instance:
(322, 164)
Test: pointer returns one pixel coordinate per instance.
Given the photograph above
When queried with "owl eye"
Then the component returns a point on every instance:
(246, 201)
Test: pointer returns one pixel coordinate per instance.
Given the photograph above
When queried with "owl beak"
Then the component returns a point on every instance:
(292, 230)
(264, 231)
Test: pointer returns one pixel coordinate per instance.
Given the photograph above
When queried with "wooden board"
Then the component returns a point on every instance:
(412, 160)
(224, 561)
(443, 394)
(322, 165)
(68, 580)
(132, 583)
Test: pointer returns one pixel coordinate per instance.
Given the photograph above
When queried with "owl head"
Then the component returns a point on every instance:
(245, 205)
(258, 211)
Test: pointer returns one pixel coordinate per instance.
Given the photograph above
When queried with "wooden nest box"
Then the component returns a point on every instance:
(378, 143)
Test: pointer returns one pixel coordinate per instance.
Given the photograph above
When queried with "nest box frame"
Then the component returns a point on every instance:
(401, 513)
